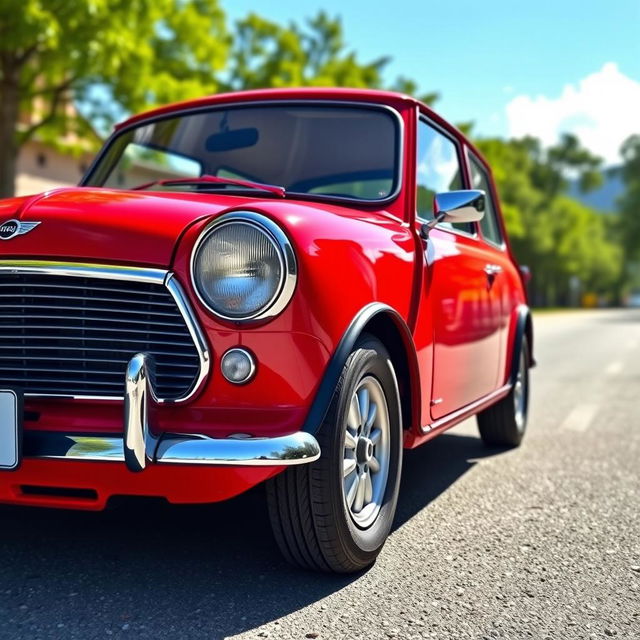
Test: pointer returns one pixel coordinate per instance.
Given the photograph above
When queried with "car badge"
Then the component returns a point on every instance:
(12, 228)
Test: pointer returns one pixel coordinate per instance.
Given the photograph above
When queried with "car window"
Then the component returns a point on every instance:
(489, 223)
(438, 170)
(140, 164)
(328, 150)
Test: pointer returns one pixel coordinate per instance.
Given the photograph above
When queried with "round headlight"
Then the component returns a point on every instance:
(243, 267)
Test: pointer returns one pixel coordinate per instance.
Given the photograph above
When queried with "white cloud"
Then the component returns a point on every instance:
(603, 110)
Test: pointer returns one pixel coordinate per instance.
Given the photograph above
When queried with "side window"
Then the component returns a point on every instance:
(438, 170)
(489, 223)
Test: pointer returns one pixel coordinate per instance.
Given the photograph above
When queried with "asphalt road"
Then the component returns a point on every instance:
(540, 542)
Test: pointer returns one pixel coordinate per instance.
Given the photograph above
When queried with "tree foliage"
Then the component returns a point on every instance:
(122, 56)
(629, 202)
(55, 51)
(569, 247)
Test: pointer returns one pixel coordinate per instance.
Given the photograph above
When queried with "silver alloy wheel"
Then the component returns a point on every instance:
(366, 452)
(520, 394)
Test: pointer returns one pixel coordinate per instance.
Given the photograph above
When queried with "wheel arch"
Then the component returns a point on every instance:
(386, 324)
(524, 328)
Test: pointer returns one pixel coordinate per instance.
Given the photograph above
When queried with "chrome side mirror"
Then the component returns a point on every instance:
(456, 206)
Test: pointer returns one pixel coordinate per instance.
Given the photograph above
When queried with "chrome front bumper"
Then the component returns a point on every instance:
(140, 446)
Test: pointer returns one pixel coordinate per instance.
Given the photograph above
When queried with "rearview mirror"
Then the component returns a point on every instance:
(465, 205)
(231, 140)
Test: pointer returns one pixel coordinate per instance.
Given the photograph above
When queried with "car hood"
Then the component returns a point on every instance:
(104, 225)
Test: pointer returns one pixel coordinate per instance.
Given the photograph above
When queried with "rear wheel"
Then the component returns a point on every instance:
(336, 513)
(505, 422)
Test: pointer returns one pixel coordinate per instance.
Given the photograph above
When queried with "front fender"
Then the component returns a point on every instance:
(403, 354)
(347, 261)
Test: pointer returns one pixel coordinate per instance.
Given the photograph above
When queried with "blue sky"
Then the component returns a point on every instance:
(482, 56)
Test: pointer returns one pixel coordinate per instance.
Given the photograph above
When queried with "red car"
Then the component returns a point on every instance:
(287, 286)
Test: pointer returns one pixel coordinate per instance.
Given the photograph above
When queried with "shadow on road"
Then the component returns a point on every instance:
(198, 571)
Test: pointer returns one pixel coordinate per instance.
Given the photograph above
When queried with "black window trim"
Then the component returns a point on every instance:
(385, 108)
(463, 174)
(474, 159)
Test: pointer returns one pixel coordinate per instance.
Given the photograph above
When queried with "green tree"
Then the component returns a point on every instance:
(629, 202)
(560, 239)
(142, 52)
(267, 54)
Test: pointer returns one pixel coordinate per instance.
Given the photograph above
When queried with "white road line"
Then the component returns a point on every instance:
(580, 418)
(613, 369)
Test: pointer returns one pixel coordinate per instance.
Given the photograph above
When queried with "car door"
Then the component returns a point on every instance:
(497, 264)
(455, 285)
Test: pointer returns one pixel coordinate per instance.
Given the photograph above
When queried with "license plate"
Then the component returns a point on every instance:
(10, 429)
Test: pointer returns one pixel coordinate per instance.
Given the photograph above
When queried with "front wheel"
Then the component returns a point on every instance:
(505, 422)
(336, 513)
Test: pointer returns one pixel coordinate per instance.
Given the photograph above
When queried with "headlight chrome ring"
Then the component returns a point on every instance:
(288, 271)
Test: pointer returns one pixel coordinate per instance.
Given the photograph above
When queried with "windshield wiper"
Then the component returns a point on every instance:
(206, 179)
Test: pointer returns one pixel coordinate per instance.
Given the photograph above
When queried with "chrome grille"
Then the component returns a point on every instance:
(73, 335)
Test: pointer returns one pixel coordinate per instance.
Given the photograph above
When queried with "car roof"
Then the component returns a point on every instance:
(378, 96)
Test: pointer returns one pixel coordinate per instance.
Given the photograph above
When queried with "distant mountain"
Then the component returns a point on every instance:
(604, 198)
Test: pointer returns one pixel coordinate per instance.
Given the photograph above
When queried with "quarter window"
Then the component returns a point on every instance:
(438, 170)
(489, 223)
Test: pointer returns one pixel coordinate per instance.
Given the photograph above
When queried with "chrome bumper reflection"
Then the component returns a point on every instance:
(297, 448)
(140, 446)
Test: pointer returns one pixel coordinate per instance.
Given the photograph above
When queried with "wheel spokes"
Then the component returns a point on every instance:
(363, 403)
(348, 466)
(358, 502)
(349, 440)
(350, 493)
(368, 487)
(373, 412)
(365, 462)
(354, 419)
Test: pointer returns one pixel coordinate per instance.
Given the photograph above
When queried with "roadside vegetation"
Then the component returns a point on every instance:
(111, 58)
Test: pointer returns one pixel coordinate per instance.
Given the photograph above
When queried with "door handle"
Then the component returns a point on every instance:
(492, 270)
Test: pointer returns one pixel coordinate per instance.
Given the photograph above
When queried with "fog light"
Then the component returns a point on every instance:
(237, 366)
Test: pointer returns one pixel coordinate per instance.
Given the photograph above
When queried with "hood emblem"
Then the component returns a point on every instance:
(12, 228)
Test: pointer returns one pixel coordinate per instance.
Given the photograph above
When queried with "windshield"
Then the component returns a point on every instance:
(328, 151)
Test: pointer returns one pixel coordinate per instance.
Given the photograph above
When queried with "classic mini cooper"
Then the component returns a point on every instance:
(279, 286)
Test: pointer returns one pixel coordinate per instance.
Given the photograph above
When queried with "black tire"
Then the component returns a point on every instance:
(505, 423)
(311, 522)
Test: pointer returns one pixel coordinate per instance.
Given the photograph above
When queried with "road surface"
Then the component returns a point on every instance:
(539, 542)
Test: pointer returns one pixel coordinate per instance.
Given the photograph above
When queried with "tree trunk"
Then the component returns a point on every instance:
(9, 114)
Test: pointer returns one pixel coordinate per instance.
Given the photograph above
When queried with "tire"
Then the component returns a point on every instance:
(505, 423)
(313, 525)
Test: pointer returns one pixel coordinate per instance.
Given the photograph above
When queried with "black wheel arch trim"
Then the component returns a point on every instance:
(523, 321)
(324, 395)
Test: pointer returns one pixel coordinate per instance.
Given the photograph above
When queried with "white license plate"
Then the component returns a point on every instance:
(10, 435)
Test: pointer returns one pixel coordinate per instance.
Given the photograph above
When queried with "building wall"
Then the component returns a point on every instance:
(41, 168)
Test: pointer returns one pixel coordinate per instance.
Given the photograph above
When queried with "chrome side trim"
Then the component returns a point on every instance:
(469, 408)
(279, 239)
(117, 272)
(293, 449)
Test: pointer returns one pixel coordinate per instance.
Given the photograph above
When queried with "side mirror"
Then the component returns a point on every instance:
(456, 206)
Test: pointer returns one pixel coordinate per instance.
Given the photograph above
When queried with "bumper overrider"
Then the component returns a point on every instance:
(140, 446)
